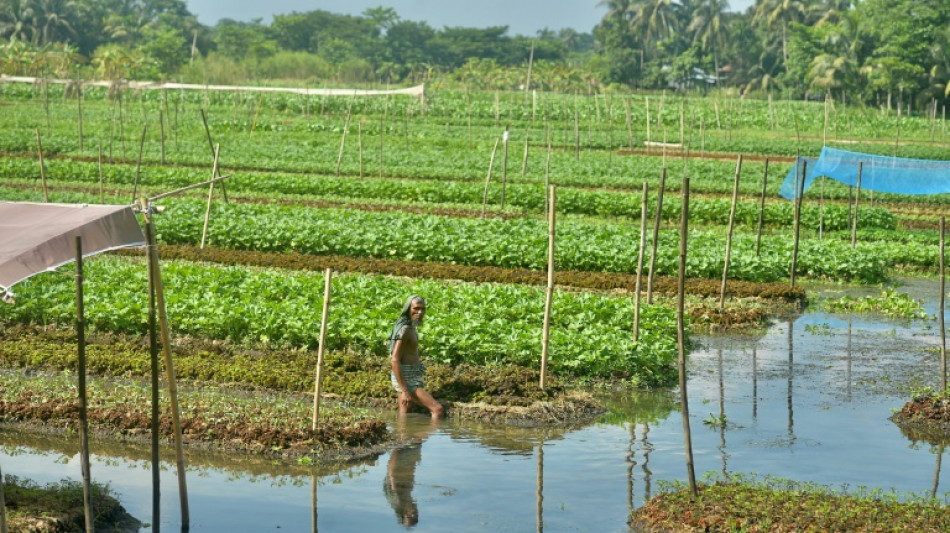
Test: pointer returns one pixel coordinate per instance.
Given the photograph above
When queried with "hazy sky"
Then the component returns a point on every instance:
(523, 17)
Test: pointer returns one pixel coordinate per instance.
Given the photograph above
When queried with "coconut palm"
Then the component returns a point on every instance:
(54, 20)
(654, 19)
(773, 14)
(708, 27)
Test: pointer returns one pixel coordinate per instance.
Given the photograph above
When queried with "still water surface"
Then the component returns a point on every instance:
(809, 399)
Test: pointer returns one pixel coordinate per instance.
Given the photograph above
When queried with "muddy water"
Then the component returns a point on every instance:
(808, 399)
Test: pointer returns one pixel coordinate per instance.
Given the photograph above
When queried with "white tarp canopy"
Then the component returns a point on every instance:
(36, 238)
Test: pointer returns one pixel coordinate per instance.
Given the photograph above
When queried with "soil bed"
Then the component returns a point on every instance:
(925, 418)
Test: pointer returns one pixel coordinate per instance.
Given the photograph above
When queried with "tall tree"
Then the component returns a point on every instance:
(709, 28)
(778, 14)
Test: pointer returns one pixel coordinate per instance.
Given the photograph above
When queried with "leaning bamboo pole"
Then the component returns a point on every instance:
(504, 166)
(549, 291)
(155, 423)
(204, 120)
(83, 405)
(39, 151)
(491, 163)
(732, 221)
(321, 348)
(681, 338)
(156, 278)
(79, 115)
(758, 232)
(101, 192)
(346, 127)
(799, 193)
(943, 298)
(138, 167)
(643, 245)
(857, 200)
(656, 234)
(214, 171)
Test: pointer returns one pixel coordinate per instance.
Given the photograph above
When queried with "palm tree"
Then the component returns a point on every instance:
(18, 20)
(654, 19)
(779, 13)
(708, 27)
(53, 18)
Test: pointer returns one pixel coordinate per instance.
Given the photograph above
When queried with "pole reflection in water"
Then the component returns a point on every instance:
(722, 413)
(401, 472)
(647, 473)
(540, 491)
(848, 371)
(631, 463)
(755, 384)
(313, 502)
(791, 371)
(933, 493)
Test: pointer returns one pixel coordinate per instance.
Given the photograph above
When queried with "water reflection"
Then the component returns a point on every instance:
(401, 470)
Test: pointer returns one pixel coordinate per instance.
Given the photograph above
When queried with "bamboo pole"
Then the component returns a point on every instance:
(155, 423)
(527, 84)
(79, 115)
(83, 406)
(382, 126)
(643, 244)
(800, 192)
(491, 163)
(577, 132)
(524, 158)
(943, 297)
(681, 338)
(732, 221)
(649, 137)
(112, 127)
(211, 145)
(359, 140)
(49, 124)
(346, 127)
(656, 234)
(161, 136)
(468, 114)
(321, 348)
(547, 175)
(504, 167)
(3, 507)
(39, 150)
(857, 200)
(138, 166)
(121, 125)
(101, 192)
(629, 127)
(260, 102)
(169, 365)
(214, 170)
(758, 232)
(549, 293)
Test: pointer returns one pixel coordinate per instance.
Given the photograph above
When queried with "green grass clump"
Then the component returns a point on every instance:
(742, 504)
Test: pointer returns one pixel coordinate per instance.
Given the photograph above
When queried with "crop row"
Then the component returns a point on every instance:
(475, 323)
(527, 197)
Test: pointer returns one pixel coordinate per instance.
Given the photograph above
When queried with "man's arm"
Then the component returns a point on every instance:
(395, 359)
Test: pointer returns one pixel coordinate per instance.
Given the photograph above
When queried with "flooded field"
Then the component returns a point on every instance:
(808, 399)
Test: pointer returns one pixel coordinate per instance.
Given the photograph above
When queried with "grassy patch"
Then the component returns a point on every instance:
(59, 507)
(742, 504)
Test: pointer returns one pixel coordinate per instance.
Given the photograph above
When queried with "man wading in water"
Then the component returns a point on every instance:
(408, 374)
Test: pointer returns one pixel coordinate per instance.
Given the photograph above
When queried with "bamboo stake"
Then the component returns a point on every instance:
(260, 102)
(547, 175)
(382, 127)
(504, 167)
(524, 158)
(656, 234)
(491, 163)
(857, 200)
(211, 146)
(359, 133)
(497, 110)
(629, 127)
(79, 115)
(169, 364)
(214, 171)
(112, 128)
(101, 192)
(346, 127)
(49, 125)
(3, 507)
(943, 298)
(577, 133)
(39, 149)
(758, 233)
(121, 126)
(138, 166)
(649, 137)
(408, 112)
(468, 114)
(527, 84)
(732, 221)
(800, 186)
(321, 348)
(643, 244)
(549, 294)
(161, 136)
(681, 338)
(821, 209)
(153, 360)
(83, 407)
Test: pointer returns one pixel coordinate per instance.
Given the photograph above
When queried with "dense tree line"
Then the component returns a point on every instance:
(883, 52)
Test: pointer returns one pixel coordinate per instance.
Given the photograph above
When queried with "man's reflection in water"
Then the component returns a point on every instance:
(401, 470)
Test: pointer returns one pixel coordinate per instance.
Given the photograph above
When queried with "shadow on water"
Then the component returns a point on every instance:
(808, 399)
